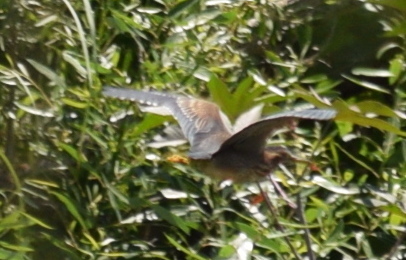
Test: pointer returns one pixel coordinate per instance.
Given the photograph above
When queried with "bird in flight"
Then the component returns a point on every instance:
(216, 151)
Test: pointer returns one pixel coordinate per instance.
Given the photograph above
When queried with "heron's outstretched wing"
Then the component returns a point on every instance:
(248, 118)
(202, 122)
(252, 139)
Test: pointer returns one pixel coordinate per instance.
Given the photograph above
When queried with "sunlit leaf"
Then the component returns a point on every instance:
(72, 151)
(367, 84)
(314, 79)
(149, 10)
(150, 121)
(367, 248)
(396, 67)
(217, 2)
(347, 115)
(397, 4)
(398, 29)
(370, 106)
(46, 20)
(227, 251)
(332, 186)
(74, 103)
(36, 221)
(277, 91)
(369, 72)
(243, 89)
(47, 72)
(194, 20)
(220, 94)
(17, 248)
(311, 214)
(396, 210)
(370, 202)
(387, 47)
(92, 241)
(203, 73)
(42, 182)
(75, 63)
(344, 128)
(274, 245)
(315, 100)
(35, 111)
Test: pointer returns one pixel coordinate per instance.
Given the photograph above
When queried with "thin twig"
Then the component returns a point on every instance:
(281, 192)
(300, 214)
(395, 247)
(300, 209)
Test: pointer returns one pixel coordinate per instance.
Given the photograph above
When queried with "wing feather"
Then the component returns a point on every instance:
(252, 138)
(200, 121)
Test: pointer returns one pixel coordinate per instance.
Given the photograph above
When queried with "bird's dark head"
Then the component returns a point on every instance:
(274, 155)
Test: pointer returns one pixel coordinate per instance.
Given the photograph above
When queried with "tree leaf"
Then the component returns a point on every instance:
(366, 84)
(184, 249)
(47, 72)
(370, 72)
(332, 186)
(171, 218)
(347, 115)
(71, 207)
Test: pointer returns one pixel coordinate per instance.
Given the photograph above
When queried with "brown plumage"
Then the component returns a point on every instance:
(215, 150)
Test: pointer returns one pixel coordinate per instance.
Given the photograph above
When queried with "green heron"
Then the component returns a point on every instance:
(215, 150)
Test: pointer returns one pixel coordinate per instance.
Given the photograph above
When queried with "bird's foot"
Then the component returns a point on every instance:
(177, 159)
(281, 192)
(257, 199)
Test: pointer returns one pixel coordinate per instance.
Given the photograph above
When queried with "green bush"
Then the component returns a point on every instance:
(75, 184)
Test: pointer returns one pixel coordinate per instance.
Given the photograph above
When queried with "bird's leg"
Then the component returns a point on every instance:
(278, 225)
(281, 192)
(178, 159)
(312, 166)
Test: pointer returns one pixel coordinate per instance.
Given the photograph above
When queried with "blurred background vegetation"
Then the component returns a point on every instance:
(79, 180)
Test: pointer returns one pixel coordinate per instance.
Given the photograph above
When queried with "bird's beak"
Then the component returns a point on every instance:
(301, 160)
(313, 166)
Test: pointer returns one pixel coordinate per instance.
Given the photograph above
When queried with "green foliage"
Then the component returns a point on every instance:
(78, 179)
